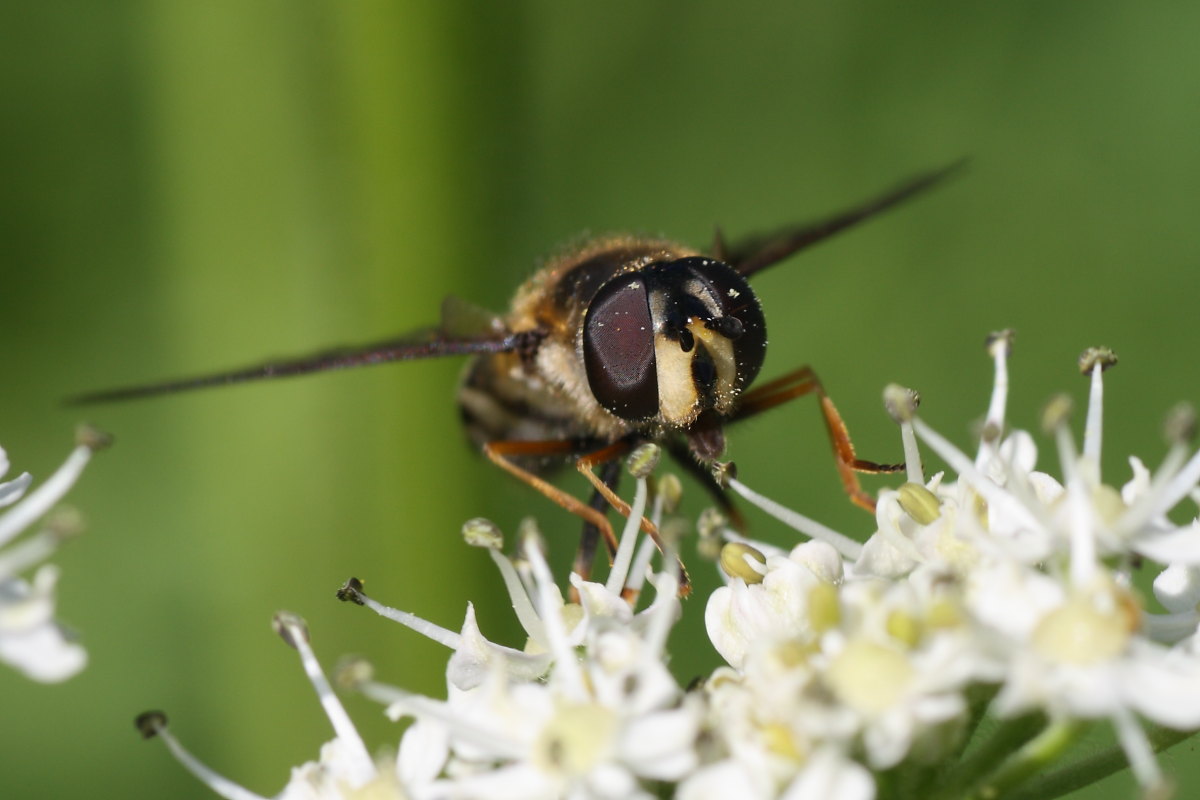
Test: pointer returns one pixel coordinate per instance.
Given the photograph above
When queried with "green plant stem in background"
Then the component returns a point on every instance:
(1036, 754)
(1092, 768)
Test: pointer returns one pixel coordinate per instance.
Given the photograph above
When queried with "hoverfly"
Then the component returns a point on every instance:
(621, 340)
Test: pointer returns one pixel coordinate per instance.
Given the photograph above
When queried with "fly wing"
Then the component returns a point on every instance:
(757, 253)
(426, 343)
(463, 319)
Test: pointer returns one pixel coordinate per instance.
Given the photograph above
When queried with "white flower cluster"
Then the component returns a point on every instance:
(31, 640)
(1006, 584)
(854, 671)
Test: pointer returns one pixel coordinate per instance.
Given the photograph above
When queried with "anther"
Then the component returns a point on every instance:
(289, 626)
(1095, 357)
(65, 523)
(92, 438)
(670, 489)
(352, 672)
(1056, 412)
(735, 561)
(150, 723)
(901, 403)
(723, 471)
(672, 532)
(351, 592)
(1180, 424)
(919, 503)
(481, 532)
(990, 433)
(1001, 342)
(709, 527)
(643, 459)
(530, 535)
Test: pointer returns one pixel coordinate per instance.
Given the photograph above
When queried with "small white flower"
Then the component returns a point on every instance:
(781, 602)
(606, 718)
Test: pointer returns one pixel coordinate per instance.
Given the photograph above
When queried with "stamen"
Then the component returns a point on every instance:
(352, 591)
(901, 405)
(663, 612)
(351, 672)
(1137, 749)
(958, 461)
(1156, 503)
(38, 547)
(465, 725)
(154, 723)
(710, 528)
(849, 548)
(666, 497)
(1179, 429)
(641, 563)
(621, 561)
(1180, 424)
(518, 595)
(1083, 540)
(999, 347)
(1054, 421)
(42, 499)
(295, 633)
(1095, 360)
(480, 532)
(549, 604)
(11, 491)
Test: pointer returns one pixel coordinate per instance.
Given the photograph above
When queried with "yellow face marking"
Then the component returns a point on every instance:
(679, 402)
(720, 350)
(677, 398)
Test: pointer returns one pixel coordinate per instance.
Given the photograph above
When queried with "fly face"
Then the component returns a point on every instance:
(673, 345)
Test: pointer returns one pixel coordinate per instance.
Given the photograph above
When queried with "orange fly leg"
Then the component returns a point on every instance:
(588, 462)
(798, 384)
(500, 453)
(585, 464)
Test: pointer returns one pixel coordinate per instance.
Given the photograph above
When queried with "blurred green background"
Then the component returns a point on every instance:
(191, 186)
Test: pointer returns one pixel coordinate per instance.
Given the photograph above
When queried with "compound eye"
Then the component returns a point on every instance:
(618, 349)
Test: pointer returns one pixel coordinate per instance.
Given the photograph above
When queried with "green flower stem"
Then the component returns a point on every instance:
(1047, 747)
(1097, 766)
(982, 760)
(979, 699)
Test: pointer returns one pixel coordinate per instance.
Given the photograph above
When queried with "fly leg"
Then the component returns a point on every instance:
(798, 384)
(608, 455)
(585, 556)
(501, 454)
